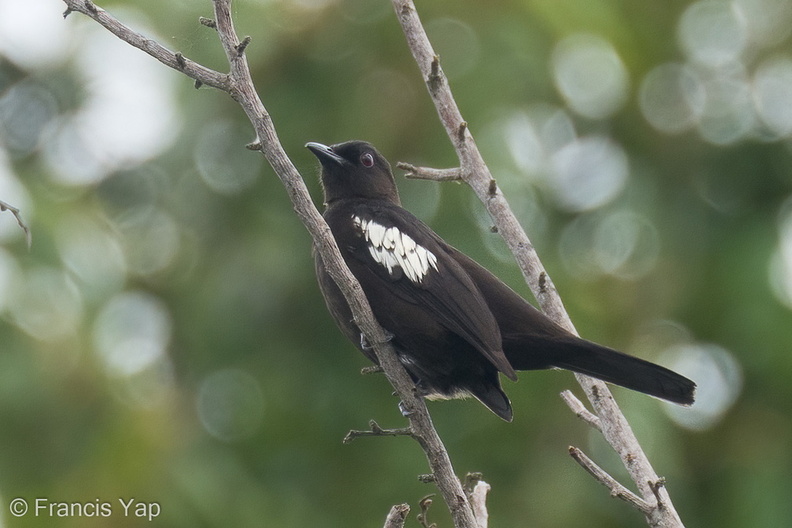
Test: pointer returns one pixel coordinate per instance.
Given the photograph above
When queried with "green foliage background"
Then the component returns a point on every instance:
(239, 390)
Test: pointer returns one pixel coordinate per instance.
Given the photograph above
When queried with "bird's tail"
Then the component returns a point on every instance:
(591, 359)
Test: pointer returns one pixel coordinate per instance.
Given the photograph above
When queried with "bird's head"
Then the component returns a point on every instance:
(354, 169)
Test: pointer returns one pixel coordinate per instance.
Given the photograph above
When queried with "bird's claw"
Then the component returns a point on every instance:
(365, 345)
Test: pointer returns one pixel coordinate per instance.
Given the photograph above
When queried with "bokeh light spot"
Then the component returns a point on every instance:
(46, 46)
(780, 266)
(718, 377)
(47, 304)
(588, 173)
(772, 90)
(456, 43)
(672, 98)
(230, 404)
(712, 33)
(222, 161)
(131, 333)
(150, 238)
(590, 75)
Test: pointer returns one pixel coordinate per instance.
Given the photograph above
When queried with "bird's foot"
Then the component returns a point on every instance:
(365, 345)
(404, 410)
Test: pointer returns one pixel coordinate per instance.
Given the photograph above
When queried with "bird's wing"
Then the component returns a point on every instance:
(413, 260)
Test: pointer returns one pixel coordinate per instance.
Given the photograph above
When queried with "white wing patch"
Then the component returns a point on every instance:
(393, 249)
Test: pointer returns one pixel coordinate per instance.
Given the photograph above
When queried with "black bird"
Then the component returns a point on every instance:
(455, 325)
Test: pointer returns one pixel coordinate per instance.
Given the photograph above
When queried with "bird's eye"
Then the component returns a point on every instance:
(367, 159)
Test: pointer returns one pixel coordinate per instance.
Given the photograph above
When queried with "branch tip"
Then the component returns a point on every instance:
(198, 84)
(240, 48)
(254, 145)
(68, 12)
(397, 516)
(208, 22)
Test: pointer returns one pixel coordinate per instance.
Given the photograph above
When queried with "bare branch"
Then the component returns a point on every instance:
(397, 516)
(376, 430)
(239, 85)
(580, 410)
(425, 173)
(14, 211)
(616, 489)
(177, 61)
(475, 172)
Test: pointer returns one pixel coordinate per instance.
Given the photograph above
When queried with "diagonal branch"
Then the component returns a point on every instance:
(475, 173)
(239, 85)
(616, 489)
(177, 61)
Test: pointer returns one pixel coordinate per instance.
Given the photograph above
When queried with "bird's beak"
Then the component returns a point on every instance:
(325, 154)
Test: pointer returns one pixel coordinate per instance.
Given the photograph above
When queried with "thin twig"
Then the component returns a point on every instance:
(376, 430)
(616, 489)
(614, 425)
(14, 211)
(423, 517)
(426, 173)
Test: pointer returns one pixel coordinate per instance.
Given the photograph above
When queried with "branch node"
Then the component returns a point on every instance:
(181, 62)
(208, 22)
(542, 282)
(655, 487)
(435, 75)
(90, 7)
(198, 84)
(374, 369)
(254, 145)
(240, 48)
(493, 188)
(427, 478)
(461, 130)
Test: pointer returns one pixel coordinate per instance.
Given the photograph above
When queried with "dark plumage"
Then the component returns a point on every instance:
(455, 326)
